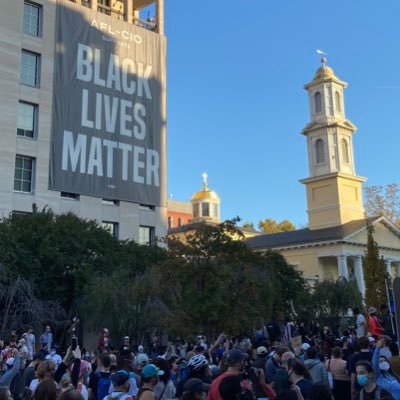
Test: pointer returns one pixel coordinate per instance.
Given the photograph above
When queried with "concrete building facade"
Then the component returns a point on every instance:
(27, 54)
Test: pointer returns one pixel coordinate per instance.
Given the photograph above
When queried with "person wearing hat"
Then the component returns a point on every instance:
(261, 357)
(375, 327)
(235, 360)
(120, 382)
(195, 389)
(150, 374)
(12, 368)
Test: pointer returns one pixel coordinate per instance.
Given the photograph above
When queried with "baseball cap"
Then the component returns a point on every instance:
(372, 310)
(262, 350)
(119, 378)
(305, 346)
(195, 385)
(236, 355)
(151, 370)
(142, 358)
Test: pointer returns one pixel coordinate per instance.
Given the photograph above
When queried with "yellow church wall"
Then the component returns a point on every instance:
(303, 259)
(382, 235)
(333, 200)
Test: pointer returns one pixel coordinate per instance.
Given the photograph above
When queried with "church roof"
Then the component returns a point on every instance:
(308, 236)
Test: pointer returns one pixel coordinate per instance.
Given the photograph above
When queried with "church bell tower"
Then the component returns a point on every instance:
(334, 192)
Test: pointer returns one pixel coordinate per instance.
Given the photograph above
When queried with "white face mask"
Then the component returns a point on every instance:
(384, 366)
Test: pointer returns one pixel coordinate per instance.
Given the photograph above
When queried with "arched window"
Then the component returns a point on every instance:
(345, 151)
(318, 102)
(337, 102)
(319, 150)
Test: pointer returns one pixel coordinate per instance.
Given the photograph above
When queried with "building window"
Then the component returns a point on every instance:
(170, 221)
(30, 64)
(345, 151)
(23, 176)
(67, 195)
(32, 18)
(111, 227)
(205, 209)
(337, 102)
(318, 102)
(146, 235)
(104, 6)
(146, 207)
(110, 202)
(319, 150)
(26, 121)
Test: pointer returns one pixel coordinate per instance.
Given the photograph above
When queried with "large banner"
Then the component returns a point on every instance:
(108, 126)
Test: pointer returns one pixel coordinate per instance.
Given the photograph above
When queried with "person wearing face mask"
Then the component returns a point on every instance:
(54, 356)
(385, 378)
(369, 388)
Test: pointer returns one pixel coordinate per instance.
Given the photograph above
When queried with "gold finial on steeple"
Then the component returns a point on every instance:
(205, 176)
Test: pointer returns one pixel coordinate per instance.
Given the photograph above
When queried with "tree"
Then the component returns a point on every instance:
(21, 309)
(58, 254)
(269, 225)
(213, 276)
(375, 273)
(329, 301)
(383, 200)
(248, 225)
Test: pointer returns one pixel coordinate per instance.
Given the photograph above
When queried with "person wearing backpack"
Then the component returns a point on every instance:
(366, 379)
(100, 380)
(120, 381)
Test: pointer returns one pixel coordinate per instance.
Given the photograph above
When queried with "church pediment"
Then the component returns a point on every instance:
(385, 234)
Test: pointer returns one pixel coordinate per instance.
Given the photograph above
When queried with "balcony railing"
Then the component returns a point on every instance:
(149, 24)
(85, 3)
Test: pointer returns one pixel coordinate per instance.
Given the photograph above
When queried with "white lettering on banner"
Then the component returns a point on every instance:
(74, 153)
(145, 162)
(131, 116)
(102, 26)
(89, 69)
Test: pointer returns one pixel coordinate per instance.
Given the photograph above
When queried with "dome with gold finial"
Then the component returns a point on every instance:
(324, 73)
(206, 204)
(206, 193)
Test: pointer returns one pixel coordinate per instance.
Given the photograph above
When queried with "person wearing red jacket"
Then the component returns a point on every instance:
(375, 327)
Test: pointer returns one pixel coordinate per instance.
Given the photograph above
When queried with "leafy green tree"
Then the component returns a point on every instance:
(269, 225)
(248, 225)
(375, 273)
(213, 275)
(57, 253)
(329, 302)
(383, 200)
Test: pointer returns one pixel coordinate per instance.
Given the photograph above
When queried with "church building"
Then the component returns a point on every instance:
(335, 241)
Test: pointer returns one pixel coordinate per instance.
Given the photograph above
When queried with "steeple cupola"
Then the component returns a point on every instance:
(334, 194)
(206, 204)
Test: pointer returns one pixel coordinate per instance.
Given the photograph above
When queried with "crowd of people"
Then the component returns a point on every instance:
(279, 361)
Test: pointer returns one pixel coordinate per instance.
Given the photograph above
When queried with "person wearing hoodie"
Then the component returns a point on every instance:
(315, 366)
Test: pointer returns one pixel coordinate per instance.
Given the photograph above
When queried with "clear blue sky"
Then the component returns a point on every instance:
(236, 105)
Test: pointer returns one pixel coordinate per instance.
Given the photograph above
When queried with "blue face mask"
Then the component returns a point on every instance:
(362, 380)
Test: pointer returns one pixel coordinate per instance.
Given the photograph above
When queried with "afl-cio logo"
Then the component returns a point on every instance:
(126, 35)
